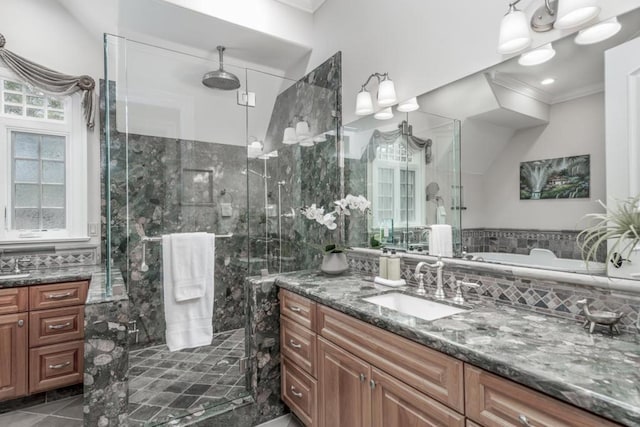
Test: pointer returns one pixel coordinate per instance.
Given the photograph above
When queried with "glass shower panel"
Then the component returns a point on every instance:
(174, 151)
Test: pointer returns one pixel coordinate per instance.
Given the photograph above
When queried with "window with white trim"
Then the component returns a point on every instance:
(396, 171)
(43, 165)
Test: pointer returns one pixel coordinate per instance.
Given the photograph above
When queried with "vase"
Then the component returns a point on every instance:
(334, 263)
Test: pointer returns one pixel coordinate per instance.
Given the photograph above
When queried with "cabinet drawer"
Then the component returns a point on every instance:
(55, 366)
(58, 295)
(299, 345)
(430, 372)
(299, 309)
(14, 300)
(299, 392)
(56, 326)
(496, 402)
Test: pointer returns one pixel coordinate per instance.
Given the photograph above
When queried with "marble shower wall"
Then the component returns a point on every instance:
(309, 174)
(161, 185)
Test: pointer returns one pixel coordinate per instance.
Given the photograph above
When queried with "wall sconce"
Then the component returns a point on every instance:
(384, 114)
(537, 56)
(409, 105)
(560, 14)
(599, 32)
(386, 94)
(301, 133)
(290, 136)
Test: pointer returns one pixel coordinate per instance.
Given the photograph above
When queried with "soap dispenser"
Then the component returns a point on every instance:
(384, 260)
(393, 266)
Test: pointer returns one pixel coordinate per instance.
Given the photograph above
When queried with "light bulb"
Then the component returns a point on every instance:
(599, 32)
(515, 35)
(537, 56)
(364, 103)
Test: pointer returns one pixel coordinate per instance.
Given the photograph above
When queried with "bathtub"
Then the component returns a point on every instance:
(541, 258)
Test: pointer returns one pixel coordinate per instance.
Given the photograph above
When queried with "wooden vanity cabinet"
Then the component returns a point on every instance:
(13, 354)
(363, 376)
(41, 337)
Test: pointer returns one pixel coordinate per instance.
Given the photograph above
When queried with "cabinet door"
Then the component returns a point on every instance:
(344, 396)
(13, 355)
(396, 404)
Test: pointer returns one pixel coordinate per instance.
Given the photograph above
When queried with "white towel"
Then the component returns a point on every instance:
(441, 240)
(190, 259)
(189, 321)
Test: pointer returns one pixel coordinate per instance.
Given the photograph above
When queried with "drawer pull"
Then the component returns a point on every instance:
(372, 384)
(363, 378)
(295, 393)
(295, 309)
(294, 344)
(21, 323)
(524, 421)
(61, 326)
(60, 366)
(59, 296)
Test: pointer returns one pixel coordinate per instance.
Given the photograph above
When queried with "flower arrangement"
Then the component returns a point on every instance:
(341, 207)
(621, 224)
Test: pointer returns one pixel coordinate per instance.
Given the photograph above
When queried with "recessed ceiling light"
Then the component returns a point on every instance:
(548, 81)
(599, 32)
(537, 56)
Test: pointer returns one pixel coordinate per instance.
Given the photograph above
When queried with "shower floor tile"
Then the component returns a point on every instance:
(165, 385)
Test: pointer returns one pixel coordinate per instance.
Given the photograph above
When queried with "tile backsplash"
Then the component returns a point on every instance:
(554, 298)
(60, 258)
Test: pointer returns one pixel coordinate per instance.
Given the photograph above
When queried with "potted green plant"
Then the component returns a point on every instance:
(620, 226)
(334, 260)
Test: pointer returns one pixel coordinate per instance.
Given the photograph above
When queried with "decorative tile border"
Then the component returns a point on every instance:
(57, 259)
(547, 297)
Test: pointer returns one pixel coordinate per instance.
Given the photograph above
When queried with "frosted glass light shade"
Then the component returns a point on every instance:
(364, 104)
(290, 136)
(302, 130)
(384, 114)
(572, 13)
(410, 104)
(599, 32)
(320, 138)
(386, 93)
(514, 33)
(537, 56)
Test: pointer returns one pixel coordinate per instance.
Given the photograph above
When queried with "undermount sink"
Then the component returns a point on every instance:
(14, 276)
(417, 307)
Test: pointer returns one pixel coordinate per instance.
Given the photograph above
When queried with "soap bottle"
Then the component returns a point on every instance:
(393, 266)
(384, 261)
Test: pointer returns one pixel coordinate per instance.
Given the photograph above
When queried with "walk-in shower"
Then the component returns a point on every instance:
(173, 151)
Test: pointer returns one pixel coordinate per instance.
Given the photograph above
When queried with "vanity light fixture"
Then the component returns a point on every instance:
(386, 94)
(537, 56)
(514, 31)
(290, 136)
(599, 32)
(409, 105)
(384, 114)
(548, 81)
(560, 14)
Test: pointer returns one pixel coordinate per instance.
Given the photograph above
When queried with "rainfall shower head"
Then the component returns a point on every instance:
(221, 79)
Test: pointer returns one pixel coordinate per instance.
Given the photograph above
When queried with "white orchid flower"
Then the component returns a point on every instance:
(329, 221)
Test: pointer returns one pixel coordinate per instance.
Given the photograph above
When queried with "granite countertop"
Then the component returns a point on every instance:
(556, 356)
(95, 273)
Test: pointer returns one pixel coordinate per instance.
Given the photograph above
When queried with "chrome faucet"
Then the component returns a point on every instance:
(439, 266)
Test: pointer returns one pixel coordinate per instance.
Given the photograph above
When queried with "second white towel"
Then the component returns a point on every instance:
(188, 271)
(441, 240)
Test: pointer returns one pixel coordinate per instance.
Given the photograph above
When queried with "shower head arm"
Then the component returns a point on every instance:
(221, 50)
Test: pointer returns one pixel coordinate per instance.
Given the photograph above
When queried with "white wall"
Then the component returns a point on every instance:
(576, 127)
(422, 44)
(43, 32)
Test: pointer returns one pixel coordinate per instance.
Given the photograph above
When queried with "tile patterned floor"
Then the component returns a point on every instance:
(165, 386)
(285, 421)
(60, 413)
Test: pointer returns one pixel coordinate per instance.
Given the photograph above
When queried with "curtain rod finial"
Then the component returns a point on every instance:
(2, 40)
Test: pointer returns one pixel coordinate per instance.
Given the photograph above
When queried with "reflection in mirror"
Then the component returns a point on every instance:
(532, 160)
(408, 168)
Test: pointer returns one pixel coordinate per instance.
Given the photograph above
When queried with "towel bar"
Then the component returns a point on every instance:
(159, 238)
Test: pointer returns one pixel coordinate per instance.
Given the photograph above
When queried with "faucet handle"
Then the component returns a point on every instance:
(459, 298)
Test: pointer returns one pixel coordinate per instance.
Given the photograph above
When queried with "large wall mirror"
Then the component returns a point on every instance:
(531, 161)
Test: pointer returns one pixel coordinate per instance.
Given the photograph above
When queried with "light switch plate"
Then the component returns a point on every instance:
(93, 229)
(247, 99)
